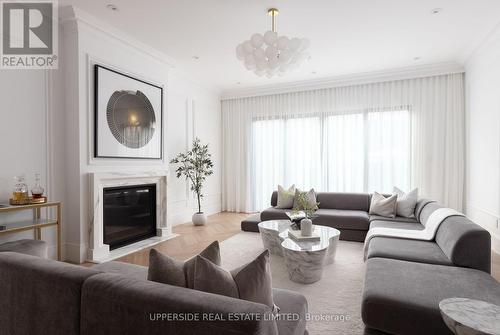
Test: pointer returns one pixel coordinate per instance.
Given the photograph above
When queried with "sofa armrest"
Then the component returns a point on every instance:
(115, 304)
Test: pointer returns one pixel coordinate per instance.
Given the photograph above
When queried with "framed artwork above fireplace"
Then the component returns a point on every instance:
(128, 116)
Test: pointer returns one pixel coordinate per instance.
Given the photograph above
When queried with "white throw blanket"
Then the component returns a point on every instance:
(427, 234)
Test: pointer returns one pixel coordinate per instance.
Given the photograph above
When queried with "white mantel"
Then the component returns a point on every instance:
(98, 251)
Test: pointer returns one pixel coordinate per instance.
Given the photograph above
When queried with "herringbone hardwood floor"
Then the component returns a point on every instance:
(192, 239)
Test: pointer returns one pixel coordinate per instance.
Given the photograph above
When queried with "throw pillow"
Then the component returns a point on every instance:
(311, 199)
(383, 206)
(166, 270)
(250, 282)
(211, 278)
(285, 197)
(405, 205)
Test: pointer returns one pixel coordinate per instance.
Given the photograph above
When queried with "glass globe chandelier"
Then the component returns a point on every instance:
(271, 54)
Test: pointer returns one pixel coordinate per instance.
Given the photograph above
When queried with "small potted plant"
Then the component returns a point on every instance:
(309, 210)
(196, 165)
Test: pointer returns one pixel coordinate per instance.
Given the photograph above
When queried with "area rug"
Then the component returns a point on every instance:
(334, 301)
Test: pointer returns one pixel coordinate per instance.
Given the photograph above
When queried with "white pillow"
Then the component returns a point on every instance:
(383, 206)
(285, 197)
(406, 202)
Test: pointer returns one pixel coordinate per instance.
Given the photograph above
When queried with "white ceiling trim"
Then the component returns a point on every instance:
(72, 13)
(347, 80)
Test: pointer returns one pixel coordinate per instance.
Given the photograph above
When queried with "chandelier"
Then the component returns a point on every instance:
(271, 54)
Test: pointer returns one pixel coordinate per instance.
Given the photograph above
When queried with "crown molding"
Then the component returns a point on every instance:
(470, 53)
(347, 80)
(72, 14)
(72, 17)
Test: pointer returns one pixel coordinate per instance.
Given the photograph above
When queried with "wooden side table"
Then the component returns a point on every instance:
(37, 223)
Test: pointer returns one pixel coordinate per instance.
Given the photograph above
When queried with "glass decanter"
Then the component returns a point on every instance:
(20, 192)
(37, 190)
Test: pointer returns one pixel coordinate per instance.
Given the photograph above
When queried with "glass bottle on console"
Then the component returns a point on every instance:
(37, 190)
(20, 192)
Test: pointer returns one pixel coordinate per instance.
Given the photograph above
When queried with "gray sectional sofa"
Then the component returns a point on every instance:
(406, 279)
(347, 212)
(40, 296)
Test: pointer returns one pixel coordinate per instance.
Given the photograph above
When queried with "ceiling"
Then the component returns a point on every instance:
(347, 36)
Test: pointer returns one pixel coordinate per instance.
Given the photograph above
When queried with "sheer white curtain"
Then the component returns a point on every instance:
(362, 138)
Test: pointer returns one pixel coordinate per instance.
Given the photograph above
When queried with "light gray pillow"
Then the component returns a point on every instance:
(383, 206)
(405, 205)
(164, 269)
(311, 199)
(285, 197)
(250, 282)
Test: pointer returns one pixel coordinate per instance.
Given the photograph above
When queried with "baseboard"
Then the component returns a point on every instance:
(488, 220)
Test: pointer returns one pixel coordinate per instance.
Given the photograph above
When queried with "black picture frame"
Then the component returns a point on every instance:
(97, 68)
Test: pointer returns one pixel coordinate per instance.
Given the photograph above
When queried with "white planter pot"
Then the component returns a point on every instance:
(306, 227)
(199, 219)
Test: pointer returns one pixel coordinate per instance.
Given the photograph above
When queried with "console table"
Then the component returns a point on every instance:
(37, 223)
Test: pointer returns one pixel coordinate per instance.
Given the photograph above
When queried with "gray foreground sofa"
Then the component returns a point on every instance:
(406, 279)
(40, 296)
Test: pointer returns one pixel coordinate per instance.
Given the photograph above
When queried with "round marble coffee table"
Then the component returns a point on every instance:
(305, 260)
(470, 317)
(270, 234)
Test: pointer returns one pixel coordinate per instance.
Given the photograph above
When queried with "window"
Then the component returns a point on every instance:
(352, 152)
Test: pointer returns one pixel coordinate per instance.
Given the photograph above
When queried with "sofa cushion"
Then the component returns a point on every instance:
(290, 303)
(396, 225)
(465, 243)
(421, 203)
(26, 246)
(402, 297)
(346, 201)
(427, 211)
(127, 269)
(407, 250)
(273, 213)
(395, 219)
(251, 223)
(339, 218)
(40, 296)
(132, 303)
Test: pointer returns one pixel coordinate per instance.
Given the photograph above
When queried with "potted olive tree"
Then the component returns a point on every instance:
(196, 165)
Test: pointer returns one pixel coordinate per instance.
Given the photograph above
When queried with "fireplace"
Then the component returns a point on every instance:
(129, 214)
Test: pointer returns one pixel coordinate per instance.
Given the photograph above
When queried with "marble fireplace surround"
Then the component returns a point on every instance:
(99, 252)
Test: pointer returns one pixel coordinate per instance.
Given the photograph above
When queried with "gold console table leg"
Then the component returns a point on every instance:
(58, 232)
(38, 231)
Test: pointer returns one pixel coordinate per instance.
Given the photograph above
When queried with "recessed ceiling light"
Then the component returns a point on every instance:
(196, 57)
(436, 11)
(416, 58)
(313, 72)
(112, 7)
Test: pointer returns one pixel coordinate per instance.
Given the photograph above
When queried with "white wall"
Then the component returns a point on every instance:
(186, 104)
(54, 112)
(483, 136)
